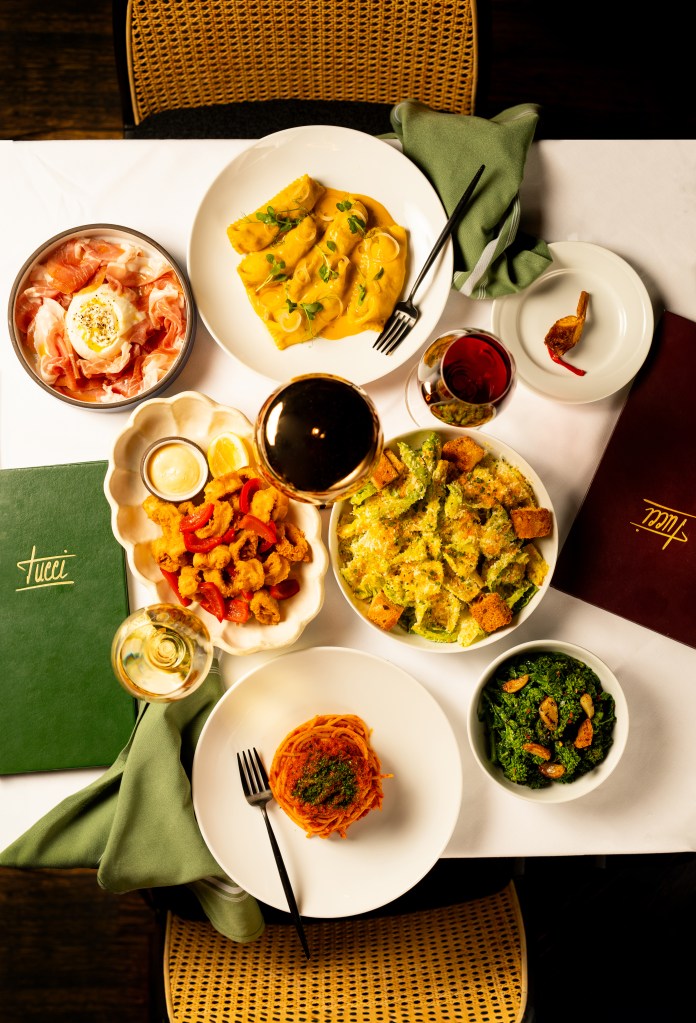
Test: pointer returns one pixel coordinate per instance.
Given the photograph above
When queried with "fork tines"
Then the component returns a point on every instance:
(252, 772)
(393, 332)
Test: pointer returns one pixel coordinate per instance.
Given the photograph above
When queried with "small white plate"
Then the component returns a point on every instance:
(339, 158)
(383, 855)
(618, 329)
(196, 417)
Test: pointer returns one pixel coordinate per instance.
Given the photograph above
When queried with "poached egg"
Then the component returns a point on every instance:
(97, 320)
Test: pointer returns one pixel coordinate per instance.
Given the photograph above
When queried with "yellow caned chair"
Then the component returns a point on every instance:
(464, 962)
(244, 68)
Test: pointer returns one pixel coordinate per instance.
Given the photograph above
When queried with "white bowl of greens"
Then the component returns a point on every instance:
(548, 721)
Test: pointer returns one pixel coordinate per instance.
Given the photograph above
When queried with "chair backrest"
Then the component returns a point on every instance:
(183, 54)
(465, 962)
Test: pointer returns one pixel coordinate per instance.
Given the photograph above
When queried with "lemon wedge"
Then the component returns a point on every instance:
(226, 453)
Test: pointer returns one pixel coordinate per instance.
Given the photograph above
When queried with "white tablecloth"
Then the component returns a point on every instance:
(636, 198)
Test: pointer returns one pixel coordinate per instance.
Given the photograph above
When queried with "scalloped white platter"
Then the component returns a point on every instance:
(198, 418)
(339, 158)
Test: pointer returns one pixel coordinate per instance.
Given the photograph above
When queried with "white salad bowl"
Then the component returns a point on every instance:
(199, 419)
(556, 791)
(547, 546)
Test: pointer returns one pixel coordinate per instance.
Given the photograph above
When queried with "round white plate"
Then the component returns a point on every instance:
(198, 418)
(388, 851)
(547, 545)
(339, 158)
(618, 329)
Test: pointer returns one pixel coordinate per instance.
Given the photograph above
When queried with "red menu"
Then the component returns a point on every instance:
(632, 547)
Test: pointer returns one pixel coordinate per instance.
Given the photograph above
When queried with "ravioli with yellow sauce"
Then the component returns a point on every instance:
(319, 262)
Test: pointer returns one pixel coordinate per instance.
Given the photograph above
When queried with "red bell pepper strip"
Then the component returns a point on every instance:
(283, 590)
(195, 545)
(212, 600)
(237, 610)
(190, 523)
(248, 491)
(173, 580)
(266, 530)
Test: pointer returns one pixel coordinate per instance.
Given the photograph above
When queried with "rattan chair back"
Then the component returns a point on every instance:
(465, 962)
(184, 54)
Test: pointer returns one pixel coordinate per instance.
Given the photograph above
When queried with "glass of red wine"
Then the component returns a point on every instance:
(464, 378)
(318, 438)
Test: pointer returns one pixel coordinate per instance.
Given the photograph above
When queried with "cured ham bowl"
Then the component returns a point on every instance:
(102, 317)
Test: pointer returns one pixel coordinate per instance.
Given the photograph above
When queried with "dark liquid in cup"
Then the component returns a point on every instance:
(318, 435)
(476, 369)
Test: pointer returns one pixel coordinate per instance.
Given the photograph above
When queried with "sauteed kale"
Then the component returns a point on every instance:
(548, 719)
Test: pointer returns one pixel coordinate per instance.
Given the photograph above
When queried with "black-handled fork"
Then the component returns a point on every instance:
(405, 313)
(257, 792)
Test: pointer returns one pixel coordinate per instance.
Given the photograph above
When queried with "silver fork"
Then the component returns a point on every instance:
(405, 313)
(257, 792)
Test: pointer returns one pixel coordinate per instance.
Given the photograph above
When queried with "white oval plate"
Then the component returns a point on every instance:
(618, 329)
(196, 417)
(547, 545)
(388, 851)
(338, 158)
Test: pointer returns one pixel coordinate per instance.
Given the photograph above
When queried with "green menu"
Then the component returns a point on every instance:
(63, 594)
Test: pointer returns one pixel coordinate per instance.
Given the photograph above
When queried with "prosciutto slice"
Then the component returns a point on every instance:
(148, 349)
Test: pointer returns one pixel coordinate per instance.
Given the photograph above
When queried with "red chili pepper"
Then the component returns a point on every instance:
(237, 610)
(173, 580)
(195, 545)
(190, 523)
(212, 600)
(287, 588)
(266, 530)
(248, 491)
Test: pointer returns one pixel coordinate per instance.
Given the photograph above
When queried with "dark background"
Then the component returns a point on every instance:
(630, 77)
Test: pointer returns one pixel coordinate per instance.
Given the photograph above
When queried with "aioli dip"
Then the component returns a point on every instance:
(174, 469)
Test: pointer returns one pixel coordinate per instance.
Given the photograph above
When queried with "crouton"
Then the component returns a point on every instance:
(464, 452)
(490, 611)
(384, 612)
(531, 522)
(389, 468)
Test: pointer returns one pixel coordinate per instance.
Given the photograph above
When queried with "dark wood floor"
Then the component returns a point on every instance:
(608, 939)
(592, 79)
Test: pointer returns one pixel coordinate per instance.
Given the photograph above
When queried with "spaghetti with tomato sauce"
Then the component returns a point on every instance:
(325, 774)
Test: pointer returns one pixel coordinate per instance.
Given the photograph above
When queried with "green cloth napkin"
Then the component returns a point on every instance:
(136, 824)
(492, 257)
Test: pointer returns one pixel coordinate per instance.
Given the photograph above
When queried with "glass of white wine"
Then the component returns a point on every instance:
(161, 653)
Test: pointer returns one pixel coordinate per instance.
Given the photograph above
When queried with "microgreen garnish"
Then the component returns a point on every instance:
(279, 220)
(331, 246)
(326, 273)
(379, 273)
(362, 291)
(344, 205)
(276, 271)
(311, 309)
(356, 224)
